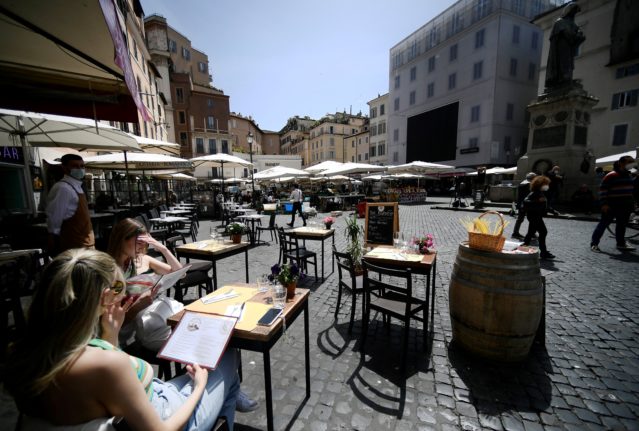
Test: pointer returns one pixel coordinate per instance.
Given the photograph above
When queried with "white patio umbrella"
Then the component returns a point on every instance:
(220, 160)
(228, 180)
(45, 130)
(279, 172)
(353, 168)
(497, 170)
(137, 161)
(419, 167)
(333, 178)
(177, 176)
(329, 164)
(154, 144)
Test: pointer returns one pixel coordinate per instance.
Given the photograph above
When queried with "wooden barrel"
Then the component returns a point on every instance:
(495, 302)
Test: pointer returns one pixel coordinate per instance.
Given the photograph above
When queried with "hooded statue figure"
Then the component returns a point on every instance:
(565, 38)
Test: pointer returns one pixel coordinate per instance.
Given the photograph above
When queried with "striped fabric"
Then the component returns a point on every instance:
(142, 368)
(616, 189)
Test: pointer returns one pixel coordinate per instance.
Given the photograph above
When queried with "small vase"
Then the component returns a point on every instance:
(236, 238)
(290, 290)
(328, 225)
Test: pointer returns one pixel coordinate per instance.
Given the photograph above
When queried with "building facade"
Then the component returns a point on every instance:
(239, 128)
(357, 147)
(294, 138)
(607, 68)
(327, 136)
(200, 112)
(459, 86)
(377, 130)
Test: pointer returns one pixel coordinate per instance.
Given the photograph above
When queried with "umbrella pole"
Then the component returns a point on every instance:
(27, 174)
(223, 196)
(128, 184)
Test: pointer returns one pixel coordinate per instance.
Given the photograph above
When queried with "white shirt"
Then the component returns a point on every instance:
(62, 202)
(296, 195)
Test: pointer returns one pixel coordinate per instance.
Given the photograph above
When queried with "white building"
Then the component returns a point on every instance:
(610, 73)
(377, 129)
(459, 85)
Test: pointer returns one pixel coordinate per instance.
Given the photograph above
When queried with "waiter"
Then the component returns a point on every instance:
(297, 198)
(68, 218)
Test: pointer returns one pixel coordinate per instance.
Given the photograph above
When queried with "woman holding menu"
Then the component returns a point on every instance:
(61, 373)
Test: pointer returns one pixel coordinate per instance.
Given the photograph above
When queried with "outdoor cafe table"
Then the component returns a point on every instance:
(251, 218)
(262, 338)
(176, 212)
(213, 251)
(424, 264)
(315, 234)
(168, 221)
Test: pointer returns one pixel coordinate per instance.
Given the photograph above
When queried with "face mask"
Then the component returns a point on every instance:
(630, 166)
(544, 188)
(78, 174)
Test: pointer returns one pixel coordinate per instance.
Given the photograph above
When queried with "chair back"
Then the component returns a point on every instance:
(271, 221)
(141, 219)
(285, 241)
(172, 241)
(154, 213)
(345, 267)
(387, 279)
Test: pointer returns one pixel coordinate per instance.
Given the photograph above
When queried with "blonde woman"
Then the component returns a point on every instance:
(61, 373)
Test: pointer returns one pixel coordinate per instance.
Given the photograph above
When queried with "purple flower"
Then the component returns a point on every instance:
(275, 269)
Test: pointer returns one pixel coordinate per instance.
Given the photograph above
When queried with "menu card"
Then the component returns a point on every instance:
(199, 339)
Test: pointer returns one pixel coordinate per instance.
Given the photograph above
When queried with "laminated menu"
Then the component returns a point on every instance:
(199, 339)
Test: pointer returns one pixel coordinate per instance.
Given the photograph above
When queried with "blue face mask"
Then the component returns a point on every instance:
(78, 174)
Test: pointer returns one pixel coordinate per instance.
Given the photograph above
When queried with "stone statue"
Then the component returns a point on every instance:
(565, 37)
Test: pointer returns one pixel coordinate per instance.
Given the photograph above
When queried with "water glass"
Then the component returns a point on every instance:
(213, 234)
(263, 283)
(398, 239)
(279, 295)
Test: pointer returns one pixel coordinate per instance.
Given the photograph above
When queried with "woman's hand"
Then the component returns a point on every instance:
(152, 242)
(198, 374)
(113, 317)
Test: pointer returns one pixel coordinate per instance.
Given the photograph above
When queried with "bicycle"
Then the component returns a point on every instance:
(633, 225)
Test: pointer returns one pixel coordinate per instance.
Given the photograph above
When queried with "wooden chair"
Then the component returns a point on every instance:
(394, 300)
(271, 228)
(349, 280)
(290, 249)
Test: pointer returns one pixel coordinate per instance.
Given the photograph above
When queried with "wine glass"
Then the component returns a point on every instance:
(263, 283)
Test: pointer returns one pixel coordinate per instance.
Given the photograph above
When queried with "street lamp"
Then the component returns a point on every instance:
(249, 139)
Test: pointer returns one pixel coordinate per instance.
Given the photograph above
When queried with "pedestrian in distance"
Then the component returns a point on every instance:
(522, 191)
(617, 202)
(297, 197)
(536, 205)
(68, 216)
(556, 181)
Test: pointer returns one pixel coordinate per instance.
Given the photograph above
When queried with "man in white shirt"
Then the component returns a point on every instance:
(68, 217)
(297, 198)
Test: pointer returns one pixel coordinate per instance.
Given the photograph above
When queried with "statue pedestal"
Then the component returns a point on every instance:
(558, 135)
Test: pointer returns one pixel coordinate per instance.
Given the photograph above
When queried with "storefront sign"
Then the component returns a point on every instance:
(12, 155)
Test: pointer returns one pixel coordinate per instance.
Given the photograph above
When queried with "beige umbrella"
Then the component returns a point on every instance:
(353, 168)
(220, 160)
(329, 164)
(279, 172)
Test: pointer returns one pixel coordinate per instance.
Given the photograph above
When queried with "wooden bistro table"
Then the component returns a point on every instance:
(213, 251)
(315, 234)
(424, 264)
(262, 338)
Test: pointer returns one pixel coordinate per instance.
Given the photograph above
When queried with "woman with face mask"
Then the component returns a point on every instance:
(536, 205)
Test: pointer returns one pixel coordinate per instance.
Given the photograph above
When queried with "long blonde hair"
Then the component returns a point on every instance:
(63, 317)
(124, 230)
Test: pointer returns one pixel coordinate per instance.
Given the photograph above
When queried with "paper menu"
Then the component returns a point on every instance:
(199, 339)
(219, 307)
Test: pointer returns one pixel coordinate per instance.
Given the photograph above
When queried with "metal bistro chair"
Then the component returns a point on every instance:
(271, 228)
(290, 249)
(394, 300)
(197, 275)
(349, 280)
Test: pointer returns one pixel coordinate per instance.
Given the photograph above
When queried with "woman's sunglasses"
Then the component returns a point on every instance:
(117, 287)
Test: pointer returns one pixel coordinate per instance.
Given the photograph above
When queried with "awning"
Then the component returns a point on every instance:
(137, 161)
(610, 160)
(280, 172)
(58, 57)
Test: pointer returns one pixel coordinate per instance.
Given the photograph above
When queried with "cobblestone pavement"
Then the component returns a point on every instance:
(586, 377)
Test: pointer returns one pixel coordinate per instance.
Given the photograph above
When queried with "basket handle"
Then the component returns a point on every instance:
(501, 219)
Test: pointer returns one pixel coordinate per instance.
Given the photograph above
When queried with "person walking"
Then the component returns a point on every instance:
(556, 181)
(522, 191)
(615, 195)
(68, 217)
(536, 206)
(297, 198)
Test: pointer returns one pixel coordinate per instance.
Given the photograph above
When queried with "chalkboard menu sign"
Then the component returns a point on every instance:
(382, 220)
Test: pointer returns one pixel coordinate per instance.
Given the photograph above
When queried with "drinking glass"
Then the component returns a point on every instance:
(397, 239)
(213, 234)
(279, 295)
(263, 283)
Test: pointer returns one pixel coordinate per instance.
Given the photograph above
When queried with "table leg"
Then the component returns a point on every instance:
(214, 274)
(267, 388)
(246, 264)
(432, 309)
(322, 259)
(307, 351)
(333, 256)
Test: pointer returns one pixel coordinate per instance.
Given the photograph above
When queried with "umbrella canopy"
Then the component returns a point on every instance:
(418, 167)
(221, 160)
(231, 180)
(178, 176)
(329, 164)
(137, 161)
(333, 178)
(353, 168)
(498, 170)
(45, 130)
(279, 172)
(610, 160)
(153, 144)
(455, 172)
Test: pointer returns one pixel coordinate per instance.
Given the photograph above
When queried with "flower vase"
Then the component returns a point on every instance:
(328, 225)
(290, 290)
(236, 238)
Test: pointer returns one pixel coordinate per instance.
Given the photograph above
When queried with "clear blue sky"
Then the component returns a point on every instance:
(279, 58)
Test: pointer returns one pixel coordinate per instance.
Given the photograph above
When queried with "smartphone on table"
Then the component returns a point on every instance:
(269, 317)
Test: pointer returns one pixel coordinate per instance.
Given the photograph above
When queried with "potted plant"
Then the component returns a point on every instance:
(353, 232)
(236, 230)
(288, 275)
(328, 222)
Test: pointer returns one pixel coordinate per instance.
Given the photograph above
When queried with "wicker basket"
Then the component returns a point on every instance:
(482, 241)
